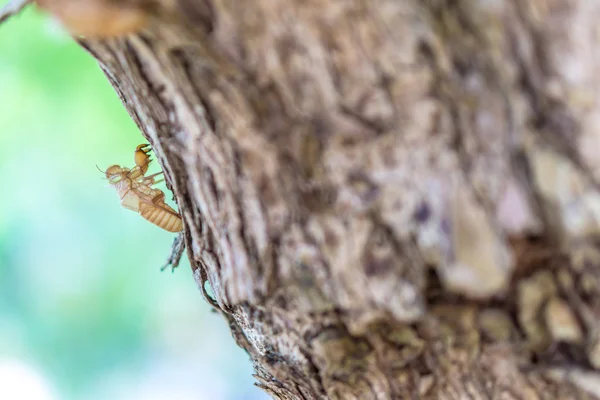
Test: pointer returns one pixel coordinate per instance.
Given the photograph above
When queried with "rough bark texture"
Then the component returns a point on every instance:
(389, 198)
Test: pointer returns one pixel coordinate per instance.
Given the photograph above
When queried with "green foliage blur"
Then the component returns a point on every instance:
(85, 312)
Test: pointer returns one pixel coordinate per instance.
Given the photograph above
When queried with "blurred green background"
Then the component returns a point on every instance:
(85, 312)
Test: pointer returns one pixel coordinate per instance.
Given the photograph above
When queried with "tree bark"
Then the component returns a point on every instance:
(389, 198)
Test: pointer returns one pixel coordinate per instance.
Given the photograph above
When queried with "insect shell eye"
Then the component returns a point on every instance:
(114, 179)
(113, 170)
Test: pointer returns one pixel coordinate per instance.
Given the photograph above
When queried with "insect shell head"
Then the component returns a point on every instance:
(114, 173)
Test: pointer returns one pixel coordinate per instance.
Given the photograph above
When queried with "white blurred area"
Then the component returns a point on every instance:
(162, 380)
(21, 381)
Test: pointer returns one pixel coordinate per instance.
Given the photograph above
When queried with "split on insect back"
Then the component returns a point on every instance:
(136, 193)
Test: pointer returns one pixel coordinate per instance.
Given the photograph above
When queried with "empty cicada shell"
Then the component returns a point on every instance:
(137, 194)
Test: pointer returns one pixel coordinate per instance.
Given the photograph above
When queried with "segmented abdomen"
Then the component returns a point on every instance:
(162, 217)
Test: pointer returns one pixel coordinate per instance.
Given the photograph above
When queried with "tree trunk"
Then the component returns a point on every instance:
(389, 198)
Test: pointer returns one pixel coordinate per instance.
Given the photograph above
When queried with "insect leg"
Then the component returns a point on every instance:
(154, 197)
(149, 180)
(158, 196)
(153, 175)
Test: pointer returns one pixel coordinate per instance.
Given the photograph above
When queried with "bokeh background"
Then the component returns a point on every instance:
(85, 312)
